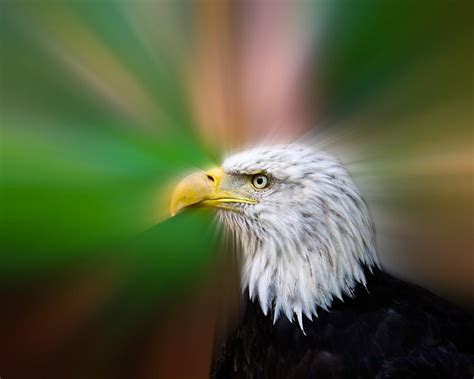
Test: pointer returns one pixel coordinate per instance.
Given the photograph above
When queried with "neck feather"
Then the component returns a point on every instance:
(295, 271)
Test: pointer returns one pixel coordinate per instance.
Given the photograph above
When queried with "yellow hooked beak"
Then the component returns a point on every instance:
(203, 189)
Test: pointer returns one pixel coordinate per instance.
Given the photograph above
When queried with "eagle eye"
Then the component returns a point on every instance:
(260, 181)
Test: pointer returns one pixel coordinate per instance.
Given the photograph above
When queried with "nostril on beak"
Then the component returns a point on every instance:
(210, 177)
(214, 176)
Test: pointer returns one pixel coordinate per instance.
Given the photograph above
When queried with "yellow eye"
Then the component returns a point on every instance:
(259, 181)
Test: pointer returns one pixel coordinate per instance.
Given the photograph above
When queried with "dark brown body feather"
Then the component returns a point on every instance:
(391, 329)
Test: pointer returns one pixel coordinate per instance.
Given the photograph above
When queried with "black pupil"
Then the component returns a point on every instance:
(259, 180)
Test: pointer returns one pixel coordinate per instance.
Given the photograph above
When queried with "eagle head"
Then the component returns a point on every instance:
(303, 227)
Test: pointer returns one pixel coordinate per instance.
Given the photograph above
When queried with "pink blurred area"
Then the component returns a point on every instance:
(248, 77)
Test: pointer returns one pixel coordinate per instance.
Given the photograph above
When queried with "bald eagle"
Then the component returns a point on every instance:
(317, 302)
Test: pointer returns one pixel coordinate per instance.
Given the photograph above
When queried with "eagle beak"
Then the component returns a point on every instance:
(202, 188)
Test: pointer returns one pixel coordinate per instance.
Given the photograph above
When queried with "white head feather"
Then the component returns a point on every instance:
(308, 237)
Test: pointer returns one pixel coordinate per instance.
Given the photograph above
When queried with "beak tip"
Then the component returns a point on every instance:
(175, 208)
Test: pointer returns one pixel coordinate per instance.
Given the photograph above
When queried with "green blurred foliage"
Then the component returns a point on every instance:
(369, 45)
(79, 178)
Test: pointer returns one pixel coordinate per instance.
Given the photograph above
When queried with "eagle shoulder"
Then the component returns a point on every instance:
(389, 329)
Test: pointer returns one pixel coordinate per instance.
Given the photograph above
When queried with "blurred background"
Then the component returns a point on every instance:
(103, 104)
